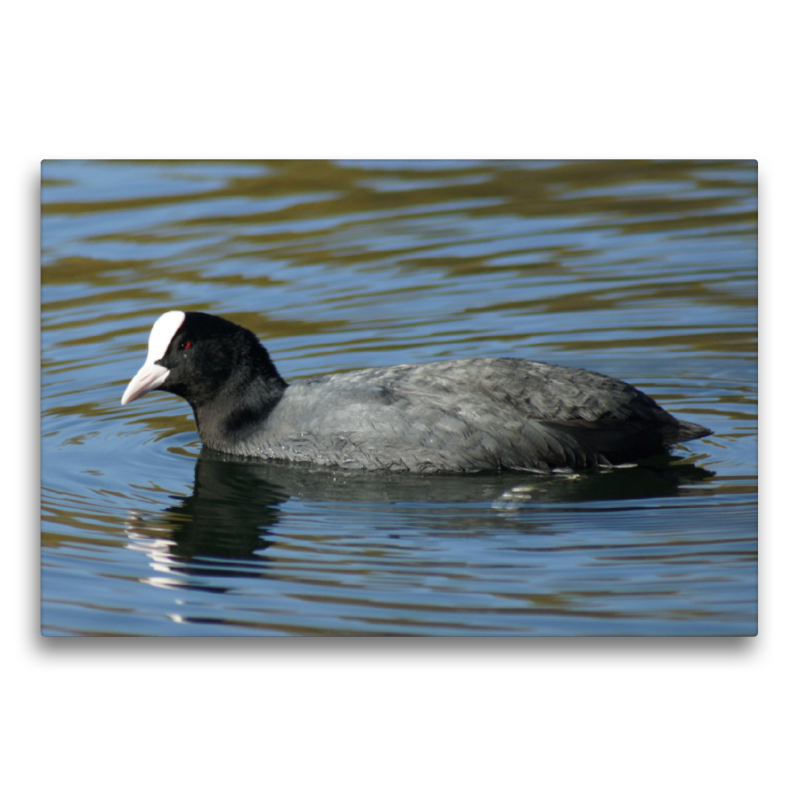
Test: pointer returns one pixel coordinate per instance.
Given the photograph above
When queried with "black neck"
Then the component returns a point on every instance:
(240, 407)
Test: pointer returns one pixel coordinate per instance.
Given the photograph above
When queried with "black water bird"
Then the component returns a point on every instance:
(465, 415)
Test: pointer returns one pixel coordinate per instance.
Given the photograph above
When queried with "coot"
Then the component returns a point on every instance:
(464, 415)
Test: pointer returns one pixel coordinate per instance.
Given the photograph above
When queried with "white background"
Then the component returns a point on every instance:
(398, 718)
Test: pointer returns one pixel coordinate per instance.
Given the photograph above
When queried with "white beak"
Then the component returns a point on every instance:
(149, 377)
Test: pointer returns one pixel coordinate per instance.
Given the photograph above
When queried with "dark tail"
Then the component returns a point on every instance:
(687, 431)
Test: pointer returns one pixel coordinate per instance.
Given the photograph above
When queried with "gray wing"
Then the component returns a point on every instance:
(469, 415)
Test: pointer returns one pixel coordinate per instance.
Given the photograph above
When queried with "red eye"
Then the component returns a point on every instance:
(186, 345)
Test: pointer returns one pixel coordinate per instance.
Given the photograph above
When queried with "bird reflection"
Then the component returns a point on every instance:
(224, 529)
(219, 531)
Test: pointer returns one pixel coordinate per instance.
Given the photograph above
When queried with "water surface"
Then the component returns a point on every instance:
(645, 271)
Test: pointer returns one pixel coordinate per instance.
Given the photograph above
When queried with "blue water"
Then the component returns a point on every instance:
(645, 271)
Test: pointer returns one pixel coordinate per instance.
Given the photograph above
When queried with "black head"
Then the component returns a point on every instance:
(200, 356)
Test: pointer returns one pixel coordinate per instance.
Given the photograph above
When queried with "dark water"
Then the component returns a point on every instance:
(645, 271)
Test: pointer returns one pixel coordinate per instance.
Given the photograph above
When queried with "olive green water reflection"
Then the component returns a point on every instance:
(646, 271)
